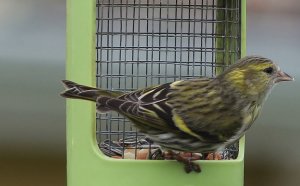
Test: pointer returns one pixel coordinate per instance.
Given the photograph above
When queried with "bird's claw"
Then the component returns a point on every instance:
(196, 167)
(191, 166)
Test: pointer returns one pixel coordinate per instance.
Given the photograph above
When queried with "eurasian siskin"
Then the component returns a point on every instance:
(196, 115)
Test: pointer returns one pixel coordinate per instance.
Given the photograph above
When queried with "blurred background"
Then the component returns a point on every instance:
(32, 62)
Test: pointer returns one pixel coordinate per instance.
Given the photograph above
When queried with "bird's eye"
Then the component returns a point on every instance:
(269, 70)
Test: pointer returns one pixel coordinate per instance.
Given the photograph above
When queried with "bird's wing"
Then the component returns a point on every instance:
(147, 108)
(192, 107)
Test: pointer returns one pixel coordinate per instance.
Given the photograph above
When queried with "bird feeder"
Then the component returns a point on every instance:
(130, 44)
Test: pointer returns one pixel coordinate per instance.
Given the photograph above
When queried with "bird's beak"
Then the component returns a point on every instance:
(282, 76)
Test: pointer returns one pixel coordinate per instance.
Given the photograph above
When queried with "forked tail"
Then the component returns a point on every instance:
(76, 91)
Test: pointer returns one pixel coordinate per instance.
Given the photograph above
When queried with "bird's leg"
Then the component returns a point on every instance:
(188, 164)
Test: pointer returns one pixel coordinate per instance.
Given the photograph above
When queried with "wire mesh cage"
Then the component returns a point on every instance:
(140, 43)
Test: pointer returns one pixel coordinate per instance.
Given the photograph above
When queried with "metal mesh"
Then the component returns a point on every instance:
(140, 43)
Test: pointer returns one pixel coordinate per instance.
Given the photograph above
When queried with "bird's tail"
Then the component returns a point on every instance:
(76, 91)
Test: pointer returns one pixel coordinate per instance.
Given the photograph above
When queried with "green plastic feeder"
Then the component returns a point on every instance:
(129, 44)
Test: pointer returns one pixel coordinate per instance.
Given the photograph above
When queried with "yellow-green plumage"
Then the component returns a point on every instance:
(198, 115)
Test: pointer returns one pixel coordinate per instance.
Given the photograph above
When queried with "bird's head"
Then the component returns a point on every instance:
(254, 75)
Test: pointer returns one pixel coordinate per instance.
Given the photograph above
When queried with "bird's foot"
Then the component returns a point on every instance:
(189, 166)
(192, 166)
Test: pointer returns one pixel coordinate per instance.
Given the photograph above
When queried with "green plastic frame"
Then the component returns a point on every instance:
(86, 165)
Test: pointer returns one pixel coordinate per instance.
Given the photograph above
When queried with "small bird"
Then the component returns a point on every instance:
(196, 115)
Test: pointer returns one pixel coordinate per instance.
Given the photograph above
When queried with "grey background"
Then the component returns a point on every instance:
(32, 62)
